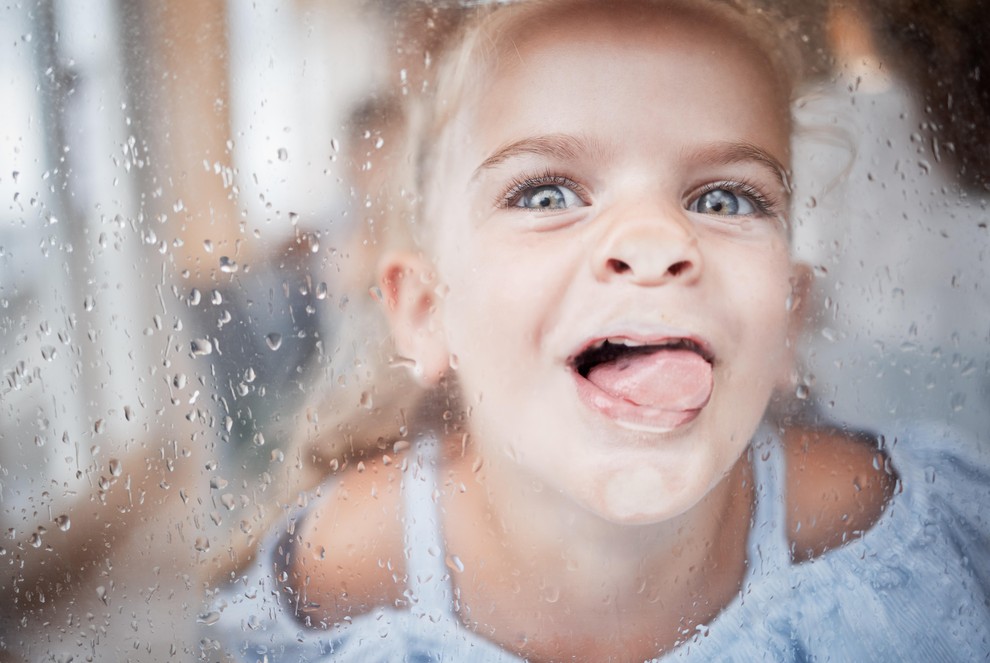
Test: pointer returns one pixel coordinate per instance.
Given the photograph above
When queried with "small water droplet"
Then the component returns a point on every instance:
(802, 392)
(454, 362)
(89, 302)
(209, 618)
(454, 563)
(366, 401)
(227, 266)
(63, 523)
(335, 145)
(48, 352)
(179, 381)
(195, 296)
(283, 154)
(99, 426)
(274, 341)
(116, 468)
(228, 501)
(259, 439)
(36, 540)
(321, 290)
(208, 245)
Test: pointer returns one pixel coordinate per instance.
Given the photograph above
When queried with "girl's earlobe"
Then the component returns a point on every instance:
(408, 284)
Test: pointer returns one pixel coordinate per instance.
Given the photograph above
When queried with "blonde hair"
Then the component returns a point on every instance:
(371, 400)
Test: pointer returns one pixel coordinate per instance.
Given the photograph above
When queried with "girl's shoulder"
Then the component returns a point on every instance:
(348, 554)
(838, 484)
(915, 585)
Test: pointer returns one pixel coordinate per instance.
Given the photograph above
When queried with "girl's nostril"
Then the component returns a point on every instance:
(679, 267)
(618, 266)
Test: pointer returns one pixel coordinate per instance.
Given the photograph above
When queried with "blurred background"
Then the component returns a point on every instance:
(180, 186)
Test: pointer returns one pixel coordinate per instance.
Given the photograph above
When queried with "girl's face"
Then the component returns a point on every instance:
(621, 179)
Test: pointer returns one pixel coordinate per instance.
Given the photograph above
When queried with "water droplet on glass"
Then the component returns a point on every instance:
(454, 563)
(208, 245)
(63, 523)
(179, 381)
(283, 154)
(89, 303)
(116, 468)
(274, 341)
(454, 362)
(99, 426)
(376, 293)
(36, 540)
(48, 352)
(209, 618)
(228, 501)
(195, 296)
(366, 400)
(802, 392)
(259, 439)
(321, 290)
(201, 347)
(227, 266)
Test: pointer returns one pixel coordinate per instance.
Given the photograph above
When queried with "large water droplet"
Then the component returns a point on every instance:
(201, 346)
(63, 523)
(227, 266)
(274, 341)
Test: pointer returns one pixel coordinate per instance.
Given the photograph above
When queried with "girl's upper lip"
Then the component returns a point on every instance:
(633, 335)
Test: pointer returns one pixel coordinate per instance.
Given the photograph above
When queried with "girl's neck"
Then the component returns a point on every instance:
(565, 569)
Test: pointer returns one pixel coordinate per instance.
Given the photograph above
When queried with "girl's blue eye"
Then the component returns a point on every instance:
(548, 197)
(722, 202)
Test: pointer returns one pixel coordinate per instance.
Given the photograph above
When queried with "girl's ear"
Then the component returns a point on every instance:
(408, 283)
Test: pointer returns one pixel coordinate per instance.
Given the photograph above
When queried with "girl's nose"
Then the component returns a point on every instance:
(648, 249)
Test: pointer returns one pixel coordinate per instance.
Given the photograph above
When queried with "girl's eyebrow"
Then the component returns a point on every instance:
(567, 147)
(555, 146)
(739, 152)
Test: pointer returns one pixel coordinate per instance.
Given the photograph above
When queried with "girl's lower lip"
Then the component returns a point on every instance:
(629, 415)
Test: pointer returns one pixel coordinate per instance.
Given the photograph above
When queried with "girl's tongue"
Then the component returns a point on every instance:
(673, 379)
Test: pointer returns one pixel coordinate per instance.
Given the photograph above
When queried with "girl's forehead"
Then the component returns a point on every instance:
(553, 72)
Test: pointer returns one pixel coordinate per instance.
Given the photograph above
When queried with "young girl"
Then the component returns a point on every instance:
(598, 301)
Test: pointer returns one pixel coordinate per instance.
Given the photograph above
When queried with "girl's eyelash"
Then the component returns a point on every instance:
(519, 185)
(764, 204)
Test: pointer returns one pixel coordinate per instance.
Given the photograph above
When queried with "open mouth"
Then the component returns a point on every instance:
(654, 386)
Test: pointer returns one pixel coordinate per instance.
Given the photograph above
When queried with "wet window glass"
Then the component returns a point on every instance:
(359, 330)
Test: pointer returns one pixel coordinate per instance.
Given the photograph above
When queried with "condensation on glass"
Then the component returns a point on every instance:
(180, 188)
